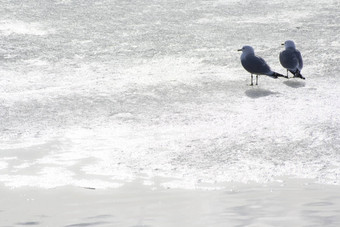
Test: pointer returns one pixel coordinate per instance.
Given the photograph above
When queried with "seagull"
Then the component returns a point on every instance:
(256, 65)
(291, 59)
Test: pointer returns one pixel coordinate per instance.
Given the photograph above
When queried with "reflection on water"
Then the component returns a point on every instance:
(258, 93)
(295, 83)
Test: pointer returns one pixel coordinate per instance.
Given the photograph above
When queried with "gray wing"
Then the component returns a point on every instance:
(289, 59)
(256, 65)
(299, 58)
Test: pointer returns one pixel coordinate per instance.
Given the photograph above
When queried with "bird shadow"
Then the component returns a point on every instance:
(258, 93)
(294, 83)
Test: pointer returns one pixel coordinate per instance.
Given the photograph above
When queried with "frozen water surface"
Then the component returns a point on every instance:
(100, 93)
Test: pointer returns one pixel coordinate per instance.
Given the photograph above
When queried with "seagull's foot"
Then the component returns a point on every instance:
(276, 75)
(299, 76)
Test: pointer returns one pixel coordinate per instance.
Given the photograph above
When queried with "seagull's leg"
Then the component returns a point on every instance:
(251, 80)
(287, 73)
(257, 79)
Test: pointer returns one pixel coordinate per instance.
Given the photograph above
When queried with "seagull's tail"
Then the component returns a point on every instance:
(276, 75)
(297, 74)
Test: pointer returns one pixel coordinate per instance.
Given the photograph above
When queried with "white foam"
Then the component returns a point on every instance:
(8, 27)
(3, 165)
(37, 62)
(64, 2)
(51, 177)
(189, 184)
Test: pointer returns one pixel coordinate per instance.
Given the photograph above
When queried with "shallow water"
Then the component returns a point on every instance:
(100, 93)
(294, 203)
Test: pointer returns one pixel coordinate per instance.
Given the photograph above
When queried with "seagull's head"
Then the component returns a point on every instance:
(247, 50)
(289, 44)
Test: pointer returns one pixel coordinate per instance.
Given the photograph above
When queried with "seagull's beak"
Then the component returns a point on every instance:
(239, 50)
(282, 44)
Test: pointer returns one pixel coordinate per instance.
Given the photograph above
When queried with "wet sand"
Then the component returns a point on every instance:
(292, 202)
